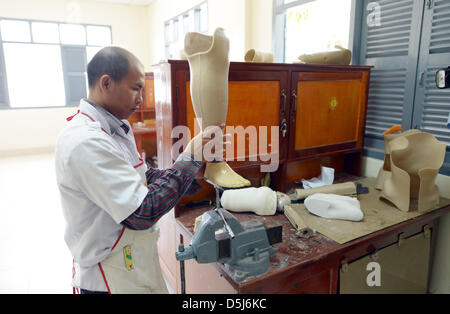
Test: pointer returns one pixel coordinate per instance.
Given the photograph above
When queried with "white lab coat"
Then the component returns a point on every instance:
(102, 181)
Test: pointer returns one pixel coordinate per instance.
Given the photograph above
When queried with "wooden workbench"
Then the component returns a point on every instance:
(300, 265)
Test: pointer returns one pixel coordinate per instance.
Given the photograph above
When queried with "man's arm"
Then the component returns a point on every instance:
(152, 174)
(166, 188)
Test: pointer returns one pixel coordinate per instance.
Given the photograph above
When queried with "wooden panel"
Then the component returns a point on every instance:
(167, 246)
(163, 111)
(308, 169)
(328, 112)
(251, 105)
(321, 283)
(149, 95)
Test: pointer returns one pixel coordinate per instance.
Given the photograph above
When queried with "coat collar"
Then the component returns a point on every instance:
(107, 121)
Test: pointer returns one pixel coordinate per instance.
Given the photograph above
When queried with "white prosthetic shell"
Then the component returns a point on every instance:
(333, 206)
(209, 67)
(261, 201)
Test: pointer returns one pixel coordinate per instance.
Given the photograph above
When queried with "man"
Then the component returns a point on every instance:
(110, 199)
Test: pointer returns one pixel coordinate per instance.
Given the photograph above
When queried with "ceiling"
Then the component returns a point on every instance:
(133, 2)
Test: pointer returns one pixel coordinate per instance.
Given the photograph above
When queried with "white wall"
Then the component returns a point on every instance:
(259, 25)
(35, 130)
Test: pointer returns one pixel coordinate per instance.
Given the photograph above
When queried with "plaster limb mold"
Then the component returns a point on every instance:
(341, 56)
(261, 201)
(253, 55)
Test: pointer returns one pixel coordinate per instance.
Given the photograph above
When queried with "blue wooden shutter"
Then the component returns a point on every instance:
(432, 105)
(392, 48)
(74, 69)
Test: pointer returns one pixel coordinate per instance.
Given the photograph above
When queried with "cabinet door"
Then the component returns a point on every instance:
(257, 102)
(328, 112)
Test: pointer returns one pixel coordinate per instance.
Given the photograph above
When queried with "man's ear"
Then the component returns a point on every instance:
(105, 83)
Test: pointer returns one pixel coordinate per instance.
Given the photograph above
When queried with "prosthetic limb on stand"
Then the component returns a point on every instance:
(209, 67)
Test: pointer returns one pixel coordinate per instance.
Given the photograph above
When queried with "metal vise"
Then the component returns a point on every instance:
(244, 254)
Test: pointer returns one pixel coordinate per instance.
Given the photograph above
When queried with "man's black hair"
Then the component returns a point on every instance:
(113, 61)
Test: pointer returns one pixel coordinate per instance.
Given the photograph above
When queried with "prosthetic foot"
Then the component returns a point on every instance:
(209, 66)
(221, 174)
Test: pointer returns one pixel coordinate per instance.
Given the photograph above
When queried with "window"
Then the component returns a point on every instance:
(43, 64)
(193, 20)
(307, 26)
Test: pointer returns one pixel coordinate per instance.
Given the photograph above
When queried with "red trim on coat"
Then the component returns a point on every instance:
(140, 164)
(104, 277)
(100, 265)
(88, 116)
(118, 239)
(74, 290)
(71, 117)
(105, 131)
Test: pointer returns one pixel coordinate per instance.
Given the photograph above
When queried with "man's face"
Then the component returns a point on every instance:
(126, 96)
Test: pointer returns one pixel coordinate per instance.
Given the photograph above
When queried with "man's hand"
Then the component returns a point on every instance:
(209, 144)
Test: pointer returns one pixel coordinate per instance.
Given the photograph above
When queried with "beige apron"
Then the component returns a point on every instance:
(133, 264)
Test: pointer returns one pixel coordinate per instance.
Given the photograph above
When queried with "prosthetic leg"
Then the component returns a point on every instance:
(209, 66)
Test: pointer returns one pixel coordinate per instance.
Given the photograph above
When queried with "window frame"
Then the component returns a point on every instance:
(180, 18)
(279, 27)
(7, 105)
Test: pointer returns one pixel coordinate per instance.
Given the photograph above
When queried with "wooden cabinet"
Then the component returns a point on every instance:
(318, 114)
(319, 111)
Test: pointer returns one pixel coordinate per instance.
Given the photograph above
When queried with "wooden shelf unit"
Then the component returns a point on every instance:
(321, 108)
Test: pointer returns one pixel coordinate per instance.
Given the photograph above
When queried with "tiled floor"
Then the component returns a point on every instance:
(34, 256)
